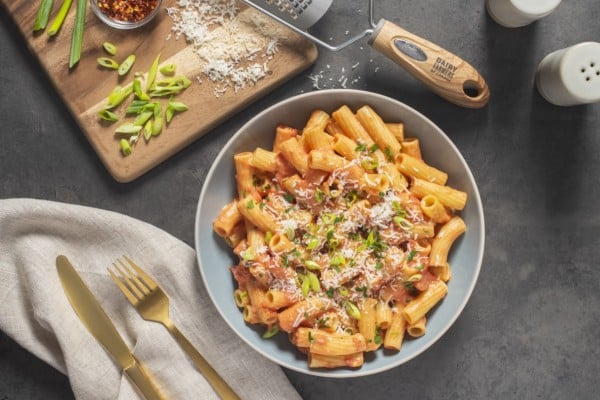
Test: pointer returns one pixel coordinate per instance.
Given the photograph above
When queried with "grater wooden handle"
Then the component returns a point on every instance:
(444, 73)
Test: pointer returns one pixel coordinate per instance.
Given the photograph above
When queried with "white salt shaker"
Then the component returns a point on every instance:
(515, 13)
(571, 76)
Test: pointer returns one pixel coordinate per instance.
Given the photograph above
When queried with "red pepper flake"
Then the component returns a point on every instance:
(127, 10)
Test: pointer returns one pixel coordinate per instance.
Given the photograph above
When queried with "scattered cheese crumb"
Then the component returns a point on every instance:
(328, 79)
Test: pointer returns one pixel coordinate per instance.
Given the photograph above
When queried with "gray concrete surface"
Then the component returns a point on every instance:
(532, 327)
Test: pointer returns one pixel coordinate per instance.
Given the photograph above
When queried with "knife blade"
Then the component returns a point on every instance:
(94, 318)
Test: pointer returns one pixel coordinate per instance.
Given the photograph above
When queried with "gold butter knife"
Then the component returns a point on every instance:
(100, 326)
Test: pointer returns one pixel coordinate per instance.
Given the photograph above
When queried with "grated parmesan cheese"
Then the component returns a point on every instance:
(233, 47)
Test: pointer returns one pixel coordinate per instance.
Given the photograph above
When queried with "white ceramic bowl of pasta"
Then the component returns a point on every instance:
(215, 257)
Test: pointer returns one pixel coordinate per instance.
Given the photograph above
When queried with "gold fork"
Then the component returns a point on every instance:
(153, 305)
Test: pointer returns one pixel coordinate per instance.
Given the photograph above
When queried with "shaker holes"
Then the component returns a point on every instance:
(584, 69)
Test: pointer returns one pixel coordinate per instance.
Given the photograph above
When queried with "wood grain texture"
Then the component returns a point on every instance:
(85, 87)
(443, 72)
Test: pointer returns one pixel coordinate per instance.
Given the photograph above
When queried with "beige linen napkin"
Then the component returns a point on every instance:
(35, 312)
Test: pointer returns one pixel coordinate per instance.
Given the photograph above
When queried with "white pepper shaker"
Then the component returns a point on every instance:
(516, 13)
(571, 76)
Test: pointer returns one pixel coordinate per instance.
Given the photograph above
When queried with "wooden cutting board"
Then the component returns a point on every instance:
(85, 87)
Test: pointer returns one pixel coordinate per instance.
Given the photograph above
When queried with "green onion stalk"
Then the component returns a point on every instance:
(77, 38)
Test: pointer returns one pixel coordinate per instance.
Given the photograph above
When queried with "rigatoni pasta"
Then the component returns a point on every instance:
(342, 236)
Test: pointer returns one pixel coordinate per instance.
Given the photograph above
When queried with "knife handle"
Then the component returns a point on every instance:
(442, 71)
(143, 381)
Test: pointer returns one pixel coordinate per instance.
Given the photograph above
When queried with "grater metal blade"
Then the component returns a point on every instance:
(300, 14)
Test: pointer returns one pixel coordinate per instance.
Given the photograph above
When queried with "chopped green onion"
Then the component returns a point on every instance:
(337, 260)
(397, 206)
(351, 197)
(313, 266)
(315, 285)
(169, 114)
(168, 69)
(148, 130)
(152, 74)
(248, 254)
(352, 310)
(313, 243)
(125, 147)
(178, 106)
(170, 86)
(60, 17)
(77, 38)
(319, 195)
(151, 106)
(126, 64)
(402, 222)
(110, 48)
(173, 107)
(377, 339)
(328, 218)
(362, 289)
(128, 129)
(369, 164)
(138, 106)
(142, 118)
(166, 91)
(42, 16)
(268, 236)
(108, 63)
(176, 80)
(157, 125)
(107, 115)
(137, 90)
(388, 154)
(272, 331)
(305, 286)
(118, 95)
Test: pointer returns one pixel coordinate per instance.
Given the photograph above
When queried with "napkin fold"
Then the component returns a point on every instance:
(35, 312)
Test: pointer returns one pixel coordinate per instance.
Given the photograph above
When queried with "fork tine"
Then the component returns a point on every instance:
(130, 296)
(145, 277)
(132, 280)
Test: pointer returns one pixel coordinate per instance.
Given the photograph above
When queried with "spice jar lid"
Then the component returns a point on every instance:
(571, 76)
(126, 14)
(516, 13)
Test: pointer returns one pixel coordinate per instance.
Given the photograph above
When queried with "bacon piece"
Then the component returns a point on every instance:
(241, 274)
(422, 284)
(395, 290)
(284, 169)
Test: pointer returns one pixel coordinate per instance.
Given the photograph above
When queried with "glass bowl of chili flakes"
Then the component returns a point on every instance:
(125, 14)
